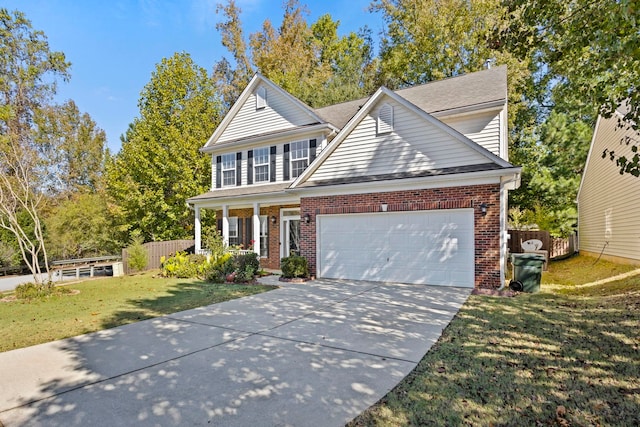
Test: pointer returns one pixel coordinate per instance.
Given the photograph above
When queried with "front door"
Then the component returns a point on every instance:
(290, 232)
(293, 237)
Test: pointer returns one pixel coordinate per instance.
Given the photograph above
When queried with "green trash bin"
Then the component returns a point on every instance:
(527, 270)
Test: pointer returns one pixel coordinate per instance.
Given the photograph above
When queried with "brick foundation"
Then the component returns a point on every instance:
(486, 228)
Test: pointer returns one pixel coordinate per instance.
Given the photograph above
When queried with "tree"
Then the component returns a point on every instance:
(75, 144)
(587, 55)
(229, 80)
(159, 165)
(311, 62)
(29, 71)
(79, 227)
(549, 189)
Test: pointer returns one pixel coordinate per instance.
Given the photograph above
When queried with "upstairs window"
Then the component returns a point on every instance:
(229, 169)
(261, 98)
(299, 157)
(385, 120)
(261, 164)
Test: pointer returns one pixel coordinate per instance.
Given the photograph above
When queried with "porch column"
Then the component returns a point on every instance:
(198, 230)
(256, 228)
(225, 224)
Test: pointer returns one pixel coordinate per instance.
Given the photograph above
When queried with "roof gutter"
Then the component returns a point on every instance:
(327, 128)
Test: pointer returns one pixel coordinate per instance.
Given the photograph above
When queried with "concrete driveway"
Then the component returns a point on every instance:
(316, 354)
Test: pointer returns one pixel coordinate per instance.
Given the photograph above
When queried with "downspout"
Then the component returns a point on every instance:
(514, 183)
(503, 234)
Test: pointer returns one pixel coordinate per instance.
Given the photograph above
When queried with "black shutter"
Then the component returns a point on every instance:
(272, 160)
(218, 171)
(249, 231)
(219, 225)
(238, 168)
(240, 241)
(250, 167)
(285, 166)
(312, 150)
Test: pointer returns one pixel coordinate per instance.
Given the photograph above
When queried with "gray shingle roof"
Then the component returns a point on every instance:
(241, 191)
(473, 89)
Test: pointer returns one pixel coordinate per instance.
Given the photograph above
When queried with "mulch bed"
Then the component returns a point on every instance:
(295, 279)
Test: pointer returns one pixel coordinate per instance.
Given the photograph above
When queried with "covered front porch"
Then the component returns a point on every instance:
(272, 231)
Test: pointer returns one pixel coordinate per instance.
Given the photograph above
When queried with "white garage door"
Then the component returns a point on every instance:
(424, 247)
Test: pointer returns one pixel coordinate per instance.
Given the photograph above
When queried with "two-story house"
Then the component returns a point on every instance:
(407, 186)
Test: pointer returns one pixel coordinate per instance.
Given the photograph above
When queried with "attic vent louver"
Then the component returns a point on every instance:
(261, 98)
(385, 119)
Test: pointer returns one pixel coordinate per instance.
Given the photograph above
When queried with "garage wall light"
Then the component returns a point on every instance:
(273, 219)
(307, 218)
(483, 208)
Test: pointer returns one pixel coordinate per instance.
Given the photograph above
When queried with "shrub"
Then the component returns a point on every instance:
(137, 253)
(294, 266)
(248, 263)
(30, 291)
(214, 276)
(241, 267)
(185, 266)
(214, 242)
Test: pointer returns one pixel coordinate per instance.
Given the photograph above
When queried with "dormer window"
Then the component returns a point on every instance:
(385, 120)
(261, 98)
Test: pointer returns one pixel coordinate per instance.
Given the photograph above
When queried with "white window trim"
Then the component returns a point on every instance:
(233, 231)
(291, 159)
(265, 253)
(235, 165)
(256, 165)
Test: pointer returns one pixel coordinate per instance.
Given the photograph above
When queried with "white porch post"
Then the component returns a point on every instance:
(225, 224)
(198, 230)
(256, 228)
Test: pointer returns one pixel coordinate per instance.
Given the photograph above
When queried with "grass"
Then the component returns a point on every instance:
(106, 303)
(567, 356)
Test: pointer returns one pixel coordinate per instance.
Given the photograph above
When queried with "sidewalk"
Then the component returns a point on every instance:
(316, 354)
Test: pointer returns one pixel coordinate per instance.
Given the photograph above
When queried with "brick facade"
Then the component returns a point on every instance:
(273, 259)
(486, 228)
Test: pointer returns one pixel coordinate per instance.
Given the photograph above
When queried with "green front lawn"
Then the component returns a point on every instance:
(106, 303)
(569, 355)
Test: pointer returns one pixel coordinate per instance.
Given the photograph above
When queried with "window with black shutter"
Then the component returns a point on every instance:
(218, 171)
(250, 167)
(239, 169)
(272, 160)
(285, 166)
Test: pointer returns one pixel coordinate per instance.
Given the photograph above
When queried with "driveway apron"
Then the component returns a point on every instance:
(315, 354)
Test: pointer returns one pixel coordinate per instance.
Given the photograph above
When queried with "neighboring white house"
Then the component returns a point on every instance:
(608, 202)
(407, 186)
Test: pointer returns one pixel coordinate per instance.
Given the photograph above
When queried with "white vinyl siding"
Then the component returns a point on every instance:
(229, 169)
(608, 203)
(261, 165)
(482, 128)
(415, 145)
(279, 114)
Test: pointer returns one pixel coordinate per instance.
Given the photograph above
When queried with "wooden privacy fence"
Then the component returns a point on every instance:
(557, 247)
(157, 250)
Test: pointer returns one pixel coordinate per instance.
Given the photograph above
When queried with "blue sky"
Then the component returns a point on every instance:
(114, 45)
